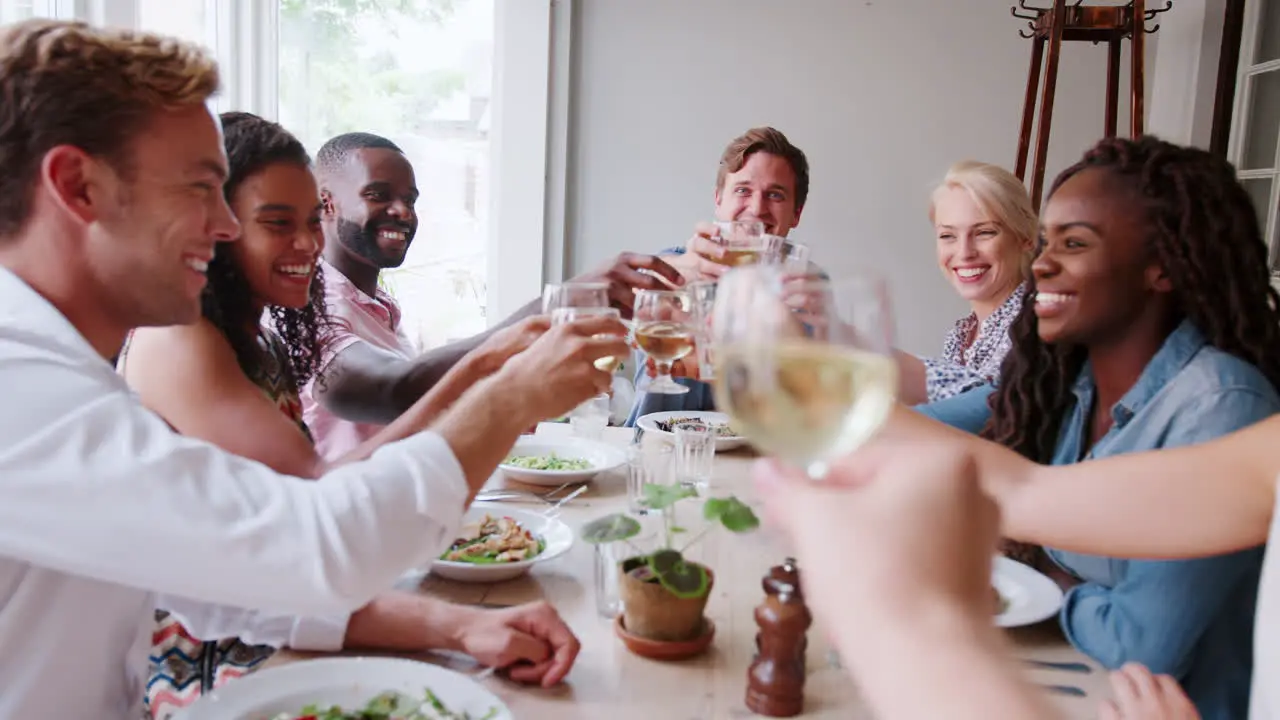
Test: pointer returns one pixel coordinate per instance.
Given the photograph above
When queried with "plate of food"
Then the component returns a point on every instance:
(497, 542)
(350, 689)
(664, 423)
(1022, 595)
(553, 462)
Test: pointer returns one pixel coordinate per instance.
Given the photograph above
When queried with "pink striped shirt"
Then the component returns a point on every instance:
(359, 318)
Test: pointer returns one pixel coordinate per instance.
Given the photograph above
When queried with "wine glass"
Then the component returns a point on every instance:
(574, 294)
(565, 315)
(804, 364)
(664, 329)
(793, 256)
(702, 298)
(744, 242)
(591, 417)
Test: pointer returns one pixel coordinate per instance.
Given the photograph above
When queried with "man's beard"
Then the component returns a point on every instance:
(363, 241)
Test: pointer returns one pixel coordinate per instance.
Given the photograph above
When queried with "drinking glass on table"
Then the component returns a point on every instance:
(695, 454)
(804, 363)
(574, 294)
(663, 328)
(744, 241)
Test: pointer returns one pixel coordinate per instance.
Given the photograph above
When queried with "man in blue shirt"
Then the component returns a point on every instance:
(762, 177)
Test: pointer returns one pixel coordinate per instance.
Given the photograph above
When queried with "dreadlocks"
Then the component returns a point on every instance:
(1205, 233)
(253, 144)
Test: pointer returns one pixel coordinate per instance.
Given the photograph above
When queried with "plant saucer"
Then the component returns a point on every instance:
(666, 649)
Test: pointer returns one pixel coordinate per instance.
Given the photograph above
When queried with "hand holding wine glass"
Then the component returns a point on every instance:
(663, 329)
(805, 365)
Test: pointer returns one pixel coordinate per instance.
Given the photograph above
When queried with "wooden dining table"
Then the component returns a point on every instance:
(608, 681)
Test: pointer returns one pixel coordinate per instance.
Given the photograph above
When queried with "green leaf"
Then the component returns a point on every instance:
(735, 515)
(610, 528)
(680, 577)
(661, 497)
(676, 530)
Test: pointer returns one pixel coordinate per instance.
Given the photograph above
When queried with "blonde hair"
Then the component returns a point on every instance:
(999, 193)
(66, 83)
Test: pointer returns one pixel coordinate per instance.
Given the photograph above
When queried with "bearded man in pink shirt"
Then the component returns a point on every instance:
(370, 372)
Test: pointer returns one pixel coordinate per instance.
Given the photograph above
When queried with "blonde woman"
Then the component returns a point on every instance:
(985, 227)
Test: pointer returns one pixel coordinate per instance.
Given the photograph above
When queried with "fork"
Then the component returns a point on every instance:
(548, 497)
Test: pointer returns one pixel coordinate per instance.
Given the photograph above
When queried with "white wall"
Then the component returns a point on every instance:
(881, 94)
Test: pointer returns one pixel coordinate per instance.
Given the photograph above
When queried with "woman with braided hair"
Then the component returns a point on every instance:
(1151, 324)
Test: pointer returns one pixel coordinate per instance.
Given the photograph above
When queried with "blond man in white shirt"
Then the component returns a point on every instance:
(110, 205)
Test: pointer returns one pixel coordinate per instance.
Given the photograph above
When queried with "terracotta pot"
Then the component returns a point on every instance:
(651, 611)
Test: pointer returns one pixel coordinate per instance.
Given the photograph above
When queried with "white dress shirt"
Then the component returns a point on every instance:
(102, 507)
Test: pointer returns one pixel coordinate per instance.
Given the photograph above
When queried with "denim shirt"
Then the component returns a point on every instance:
(967, 411)
(1192, 619)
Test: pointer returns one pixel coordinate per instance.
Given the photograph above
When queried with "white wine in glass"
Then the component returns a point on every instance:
(804, 366)
(663, 328)
(563, 315)
(744, 242)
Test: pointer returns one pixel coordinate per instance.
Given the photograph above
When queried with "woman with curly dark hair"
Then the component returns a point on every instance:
(233, 379)
(1151, 324)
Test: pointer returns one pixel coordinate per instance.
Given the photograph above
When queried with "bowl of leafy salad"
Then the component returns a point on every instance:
(536, 460)
(350, 688)
(497, 542)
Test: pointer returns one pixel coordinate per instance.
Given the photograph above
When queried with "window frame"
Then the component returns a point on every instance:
(1246, 72)
(528, 136)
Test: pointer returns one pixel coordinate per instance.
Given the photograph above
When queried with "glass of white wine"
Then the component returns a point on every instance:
(744, 241)
(804, 363)
(564, 315)
(574, 294)
(663, 328)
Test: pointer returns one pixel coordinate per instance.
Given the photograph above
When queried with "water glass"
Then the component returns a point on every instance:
(646, 466)
(606, 560)
(606, 571)
(589, 419)
(695, 453)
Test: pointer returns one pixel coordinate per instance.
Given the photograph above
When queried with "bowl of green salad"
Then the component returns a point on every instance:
(553, 462)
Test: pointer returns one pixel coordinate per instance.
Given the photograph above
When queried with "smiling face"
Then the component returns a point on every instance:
(765, 190)
(981, 259)
(157, 225)
(1096, 274)
(279, 212)
(369, 206)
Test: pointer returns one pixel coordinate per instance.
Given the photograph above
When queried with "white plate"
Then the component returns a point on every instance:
(601, 456)
(346, 682)
(1032, 596)
(558, 536)
(649, 423)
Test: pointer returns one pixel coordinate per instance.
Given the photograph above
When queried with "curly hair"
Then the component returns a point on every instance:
(253, 144)
(1204, 232)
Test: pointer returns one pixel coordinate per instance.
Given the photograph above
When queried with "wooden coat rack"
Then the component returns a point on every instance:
(1070, 23)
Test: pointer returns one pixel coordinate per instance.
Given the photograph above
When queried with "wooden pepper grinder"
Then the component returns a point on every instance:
(775, 680)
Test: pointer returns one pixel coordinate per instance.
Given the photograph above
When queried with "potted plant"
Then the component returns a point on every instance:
(663, 593)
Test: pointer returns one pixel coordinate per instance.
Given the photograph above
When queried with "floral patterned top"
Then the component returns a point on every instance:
(966, 365)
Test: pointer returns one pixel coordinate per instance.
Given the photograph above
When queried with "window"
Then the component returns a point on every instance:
(18, 10)
(448, 80)
(419, 73)
(1255, 139)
